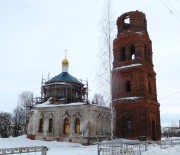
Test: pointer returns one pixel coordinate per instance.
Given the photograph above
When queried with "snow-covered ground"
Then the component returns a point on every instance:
(65, 148)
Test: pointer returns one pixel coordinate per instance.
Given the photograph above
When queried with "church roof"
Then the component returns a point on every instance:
(64, 77)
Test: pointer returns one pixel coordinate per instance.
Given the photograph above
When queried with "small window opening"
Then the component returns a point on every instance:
(129, 125)
(122, 54)
(149, 56)
(77, 126)
(145, 53)
(50, 125)
(150, 88)
(66, 126)
(132, 53)
(76, 95)
(127, 20)
(128, 86)
(41, 122)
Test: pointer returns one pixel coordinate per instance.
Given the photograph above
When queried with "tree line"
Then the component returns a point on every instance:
(15, 124)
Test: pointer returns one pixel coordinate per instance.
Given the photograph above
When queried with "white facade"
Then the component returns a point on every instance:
(94, 122)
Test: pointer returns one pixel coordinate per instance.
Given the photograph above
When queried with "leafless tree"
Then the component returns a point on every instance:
(98, 99)
(107, 34)
(20, 113)
(106, 56)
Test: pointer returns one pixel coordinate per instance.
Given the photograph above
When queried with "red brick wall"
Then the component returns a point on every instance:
(134, 80)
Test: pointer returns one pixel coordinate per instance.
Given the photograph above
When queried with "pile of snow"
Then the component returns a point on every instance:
(57, 148)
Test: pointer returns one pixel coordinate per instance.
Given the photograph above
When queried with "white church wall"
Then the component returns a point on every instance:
(90, 124)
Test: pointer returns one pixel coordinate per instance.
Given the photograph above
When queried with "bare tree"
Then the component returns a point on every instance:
(107, 34)
(20, 113)
(98, 99)
(19, 121)
(25, 99)
(106, 56)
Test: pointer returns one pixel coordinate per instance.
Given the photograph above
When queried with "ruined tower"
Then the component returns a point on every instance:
(134, 80)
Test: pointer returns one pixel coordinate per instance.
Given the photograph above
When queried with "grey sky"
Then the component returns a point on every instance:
(35, 33)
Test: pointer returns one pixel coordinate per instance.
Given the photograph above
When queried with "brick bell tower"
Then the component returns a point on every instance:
(134, 92)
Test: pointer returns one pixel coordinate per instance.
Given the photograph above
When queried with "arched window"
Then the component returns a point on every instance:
(77, 126)
(122, 54)
(41, 123)
(153, 126)
(128, 86)
(129, 126)
(50, 125)
(132, 52)
(145, 53)
(149, 86)
(66, 126)
(126, 22)
(149, 56)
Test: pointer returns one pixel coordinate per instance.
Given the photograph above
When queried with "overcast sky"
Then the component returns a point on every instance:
(35, 33)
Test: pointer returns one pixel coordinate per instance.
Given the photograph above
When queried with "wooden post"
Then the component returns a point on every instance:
(44, 151)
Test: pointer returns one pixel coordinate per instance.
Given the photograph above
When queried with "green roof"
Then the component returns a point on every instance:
(64, 77)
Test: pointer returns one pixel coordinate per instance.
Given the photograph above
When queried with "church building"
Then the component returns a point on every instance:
(134, 94)
(63, 113)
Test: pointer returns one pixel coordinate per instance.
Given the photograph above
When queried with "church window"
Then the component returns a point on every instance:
(132, 52)
(77, 95)
(129, 126)
(145, 53)
(77, 126)
(122, 54)
(50, 125)
(126, 22)
(66, 126)
(149, 56)
(149, 85)
(128, 86)
(41, 123)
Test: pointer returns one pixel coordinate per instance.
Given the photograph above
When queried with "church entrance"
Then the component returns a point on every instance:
(153, 130)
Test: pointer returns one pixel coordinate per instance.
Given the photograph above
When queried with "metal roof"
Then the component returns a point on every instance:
(64, 77)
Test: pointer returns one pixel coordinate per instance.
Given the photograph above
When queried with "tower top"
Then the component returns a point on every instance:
(133, 21)
(65, 63)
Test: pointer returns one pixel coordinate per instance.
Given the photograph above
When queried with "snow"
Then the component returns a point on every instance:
(60, 83)
(139, 32)
(56, 148)
(127, 66)
(46, 104)
(127, 98)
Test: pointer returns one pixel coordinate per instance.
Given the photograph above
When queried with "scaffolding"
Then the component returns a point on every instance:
(63, 92)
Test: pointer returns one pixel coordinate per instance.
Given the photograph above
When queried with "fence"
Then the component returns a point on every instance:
(121, 148)
(169, 143)
(128, 147)
(28, 150)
